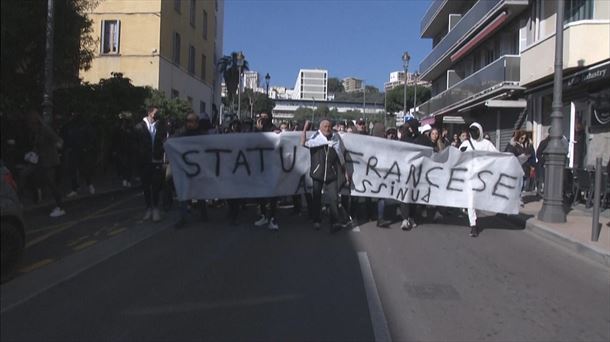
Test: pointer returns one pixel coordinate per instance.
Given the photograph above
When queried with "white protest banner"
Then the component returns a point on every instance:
(252, 165)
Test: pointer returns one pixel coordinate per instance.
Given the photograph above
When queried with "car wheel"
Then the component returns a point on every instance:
(12, 242)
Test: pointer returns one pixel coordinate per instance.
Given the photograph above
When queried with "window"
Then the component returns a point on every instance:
(175, 94)
(190, 101)
(176, 51)
(177, 5)
(205, 25)
(204, 62)
(216, 5)
(202, 107)
(110, 36)
(192, 13)
(191, 65)
(578, 10)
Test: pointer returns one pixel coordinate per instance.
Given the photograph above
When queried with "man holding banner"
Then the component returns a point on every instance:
(327, 160)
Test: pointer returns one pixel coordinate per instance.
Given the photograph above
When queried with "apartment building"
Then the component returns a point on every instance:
(352, 84)
(474, 64)
(397, 78)
(311, 84)
(492, 61)
(172, 46)
(586, 75)
(251, 80)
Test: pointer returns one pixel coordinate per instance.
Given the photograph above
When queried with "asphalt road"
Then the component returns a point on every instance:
(215, 281)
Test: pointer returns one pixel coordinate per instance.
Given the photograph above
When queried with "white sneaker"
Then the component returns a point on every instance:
(91, 189)
(273, 225)
(147, 215)
(71, 194)
(57, 212)
(128, 184)
(262, 220)
(124, 183)
(156, 216)
(404, 225)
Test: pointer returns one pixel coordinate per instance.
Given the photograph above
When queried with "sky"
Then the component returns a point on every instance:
(359, 38)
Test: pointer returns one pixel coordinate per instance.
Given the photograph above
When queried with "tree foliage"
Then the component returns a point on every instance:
(395, 98)
(335, 85)
(23, 27)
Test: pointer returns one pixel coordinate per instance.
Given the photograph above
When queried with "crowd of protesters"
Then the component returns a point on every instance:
(137, 152)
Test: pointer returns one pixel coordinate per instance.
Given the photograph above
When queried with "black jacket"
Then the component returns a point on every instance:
(324, 159)
(146, 150)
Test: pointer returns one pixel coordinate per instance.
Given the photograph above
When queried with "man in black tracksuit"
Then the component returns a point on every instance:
(149, 136)
(265, 124)
(327, 161)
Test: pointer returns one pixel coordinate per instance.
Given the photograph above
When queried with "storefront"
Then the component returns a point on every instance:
(586, 113)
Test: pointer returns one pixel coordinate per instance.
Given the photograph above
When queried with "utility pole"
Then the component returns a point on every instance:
(552, 206)
(47, 96)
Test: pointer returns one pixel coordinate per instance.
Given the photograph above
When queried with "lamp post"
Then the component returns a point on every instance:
(405, 63)
(47, 96)
(240, 65)
(313, 112)
(552, 206)
(267, 78)
(364, 100)
(415, 94)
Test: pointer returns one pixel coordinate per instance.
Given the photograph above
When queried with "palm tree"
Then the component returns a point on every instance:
(229, 69)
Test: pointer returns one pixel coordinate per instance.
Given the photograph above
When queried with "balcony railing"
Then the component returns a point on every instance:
(468, 21)
(431, 13)
(504, 70)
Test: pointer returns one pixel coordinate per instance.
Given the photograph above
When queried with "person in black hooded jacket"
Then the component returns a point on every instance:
(327, 163)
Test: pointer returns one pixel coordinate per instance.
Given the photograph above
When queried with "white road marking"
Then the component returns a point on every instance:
(380, 324)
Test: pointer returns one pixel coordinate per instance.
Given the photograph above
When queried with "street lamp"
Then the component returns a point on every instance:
(364, 100)
(415, 95)
(267, 78)
(313, 112)
(552, 206)
(240, 65)
(405, 63)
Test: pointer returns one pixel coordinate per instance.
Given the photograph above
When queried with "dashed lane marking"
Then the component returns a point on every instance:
(35, 265)
(85, 245)
(116, 231)
(59, 230)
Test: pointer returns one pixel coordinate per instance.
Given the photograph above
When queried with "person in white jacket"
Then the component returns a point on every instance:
(476, 142)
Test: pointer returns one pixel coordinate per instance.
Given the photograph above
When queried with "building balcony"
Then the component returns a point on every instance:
(585, 42)
(493, 79)
(476, 20)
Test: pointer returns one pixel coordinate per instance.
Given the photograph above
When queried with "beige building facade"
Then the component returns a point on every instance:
(170, 45)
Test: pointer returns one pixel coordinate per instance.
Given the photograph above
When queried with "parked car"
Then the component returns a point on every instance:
(12, 228)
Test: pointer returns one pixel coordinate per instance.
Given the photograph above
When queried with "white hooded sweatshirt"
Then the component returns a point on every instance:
(480, 144)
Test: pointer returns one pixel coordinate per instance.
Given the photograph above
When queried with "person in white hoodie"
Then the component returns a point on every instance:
(476, 142)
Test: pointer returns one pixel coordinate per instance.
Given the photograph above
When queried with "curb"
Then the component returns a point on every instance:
(590, 252)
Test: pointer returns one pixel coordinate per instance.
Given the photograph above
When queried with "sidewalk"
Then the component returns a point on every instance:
(104, 184)
(575, 234)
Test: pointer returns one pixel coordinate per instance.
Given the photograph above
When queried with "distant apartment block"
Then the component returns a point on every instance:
(397, 78)
(351, 84)
(172, 46)
(311, 84)
(492, 61)
(251, 80)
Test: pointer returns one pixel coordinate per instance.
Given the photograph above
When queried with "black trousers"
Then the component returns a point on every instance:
(272, 206)
(151, 175)
(331, 190)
